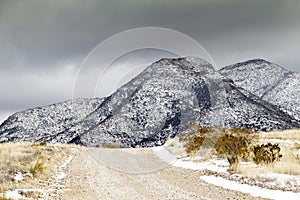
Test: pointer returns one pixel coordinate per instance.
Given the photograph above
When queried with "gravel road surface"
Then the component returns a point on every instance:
(99, 173)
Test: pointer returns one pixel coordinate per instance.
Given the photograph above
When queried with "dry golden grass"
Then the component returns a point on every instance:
(288, 164)
(37, 162)
(3, 198)
(290, 161)
(293, 134)
(296, 146)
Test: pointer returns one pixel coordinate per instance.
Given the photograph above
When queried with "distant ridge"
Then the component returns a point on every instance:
(268, 81)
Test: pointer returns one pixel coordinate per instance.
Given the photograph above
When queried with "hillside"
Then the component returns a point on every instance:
(268, 81)
(157, 104)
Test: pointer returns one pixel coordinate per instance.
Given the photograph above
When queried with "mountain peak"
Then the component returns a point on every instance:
(257, 61)
(254, 64)
(190, 63)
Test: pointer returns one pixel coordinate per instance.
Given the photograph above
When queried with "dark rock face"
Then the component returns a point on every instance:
(157, 104)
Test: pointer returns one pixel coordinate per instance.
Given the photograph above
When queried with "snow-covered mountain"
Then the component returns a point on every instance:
(268, 81)
(157, 104)
(41, 123)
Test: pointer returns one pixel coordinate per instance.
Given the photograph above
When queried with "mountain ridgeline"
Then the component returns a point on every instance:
(269, 82)
(160, 102)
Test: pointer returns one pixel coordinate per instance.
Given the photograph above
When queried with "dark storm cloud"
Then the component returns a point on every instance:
(49, 39)
(43, 32)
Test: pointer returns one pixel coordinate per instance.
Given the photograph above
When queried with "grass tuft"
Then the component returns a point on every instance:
(37, 167)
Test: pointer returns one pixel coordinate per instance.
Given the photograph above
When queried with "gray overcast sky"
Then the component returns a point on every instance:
(43, 43)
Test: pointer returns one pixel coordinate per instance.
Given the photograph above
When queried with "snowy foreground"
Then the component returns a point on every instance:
(219, 169)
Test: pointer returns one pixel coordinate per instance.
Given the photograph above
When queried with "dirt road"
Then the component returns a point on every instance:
(135, 174)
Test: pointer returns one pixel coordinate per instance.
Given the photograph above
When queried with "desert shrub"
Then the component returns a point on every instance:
(112, 145)
(37, 167)
(231, 143)
(194, 138)
(296, 146)
(234, 143)
(37, 153)
(38, 144)
(193, 143)
(266, 153)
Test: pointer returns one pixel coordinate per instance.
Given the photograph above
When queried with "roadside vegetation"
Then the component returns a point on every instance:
(276, 151)
(289, 143)
(28, 165)
(111, 145)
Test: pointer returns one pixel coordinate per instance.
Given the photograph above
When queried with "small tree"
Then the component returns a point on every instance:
(234, 143)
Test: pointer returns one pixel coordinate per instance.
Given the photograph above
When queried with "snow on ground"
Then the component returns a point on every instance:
(221, 166)
(162, 153)
(281, 180)
(211, 165)
(216, 165)
(18, 177)
(278, 141)
(61, 175)
(67, 161)
(13, 195)
(253, 190)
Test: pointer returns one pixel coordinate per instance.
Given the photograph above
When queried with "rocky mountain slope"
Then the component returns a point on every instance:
(268, 81)
(155, 105)
(37, 124)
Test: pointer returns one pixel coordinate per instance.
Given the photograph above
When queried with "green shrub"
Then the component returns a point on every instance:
(266, 153)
